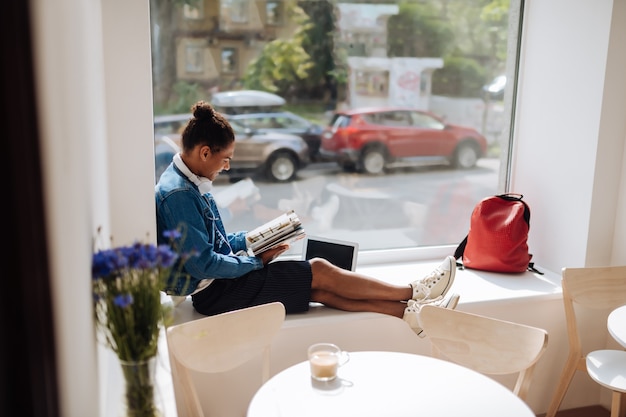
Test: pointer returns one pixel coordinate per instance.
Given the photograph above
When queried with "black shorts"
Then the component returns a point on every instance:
(286, 281)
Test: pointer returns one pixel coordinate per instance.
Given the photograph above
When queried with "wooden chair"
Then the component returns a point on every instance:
(487, 345)
(599, 288)
(217, 344)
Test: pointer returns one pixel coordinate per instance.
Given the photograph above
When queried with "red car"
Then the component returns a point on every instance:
(372, 140)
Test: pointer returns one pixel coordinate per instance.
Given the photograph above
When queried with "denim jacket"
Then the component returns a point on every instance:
(179, 205)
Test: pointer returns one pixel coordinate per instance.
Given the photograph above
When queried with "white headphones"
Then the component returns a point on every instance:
(204, 184)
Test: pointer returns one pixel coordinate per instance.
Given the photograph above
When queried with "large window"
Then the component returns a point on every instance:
(399, 184)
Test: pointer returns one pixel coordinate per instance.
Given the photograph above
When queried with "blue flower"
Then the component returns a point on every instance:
(106, 262)
(172, 234)
(127, 282)
(123, 300)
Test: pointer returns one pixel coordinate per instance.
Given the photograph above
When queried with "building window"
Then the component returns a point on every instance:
(273, 13)
(234, 11)
(229, 60)
(195, 11)
(194, 59)
(372, 83)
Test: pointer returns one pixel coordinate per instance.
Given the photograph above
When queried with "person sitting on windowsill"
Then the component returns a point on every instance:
(225, 278)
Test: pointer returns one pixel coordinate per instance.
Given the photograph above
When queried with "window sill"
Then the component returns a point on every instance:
(475, 288)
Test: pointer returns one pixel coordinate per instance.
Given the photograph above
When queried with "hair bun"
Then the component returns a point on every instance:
(203, 110)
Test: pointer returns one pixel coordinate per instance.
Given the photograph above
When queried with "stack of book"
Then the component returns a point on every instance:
(285, 228)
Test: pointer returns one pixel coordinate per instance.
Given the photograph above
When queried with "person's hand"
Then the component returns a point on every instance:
(271, 254)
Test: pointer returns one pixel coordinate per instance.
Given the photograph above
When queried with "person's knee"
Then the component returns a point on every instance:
(320, 266)
(322, 273)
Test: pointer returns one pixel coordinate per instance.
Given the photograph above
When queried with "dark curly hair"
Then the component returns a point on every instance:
(207, 127)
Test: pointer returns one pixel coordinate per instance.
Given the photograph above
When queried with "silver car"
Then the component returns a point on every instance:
(278, 156)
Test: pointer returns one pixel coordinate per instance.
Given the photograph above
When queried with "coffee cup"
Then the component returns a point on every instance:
(325, 359)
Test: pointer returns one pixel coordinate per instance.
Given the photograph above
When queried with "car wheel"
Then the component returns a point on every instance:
(281, 167)
(373, 160)
(465, 156)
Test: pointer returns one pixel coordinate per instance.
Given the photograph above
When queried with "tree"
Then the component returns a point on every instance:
(318, 42)
(283, 63)
(163, 25)
(470, 35)
(418, 31)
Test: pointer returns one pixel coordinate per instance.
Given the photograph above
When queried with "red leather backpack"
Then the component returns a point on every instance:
(498, 235)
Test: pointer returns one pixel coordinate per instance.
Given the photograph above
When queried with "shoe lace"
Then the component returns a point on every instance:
(434, 277)
(420, 291)
(414, 306)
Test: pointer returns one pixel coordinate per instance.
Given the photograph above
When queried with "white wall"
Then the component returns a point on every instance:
(73, 142)
(569, 155)
(92, 116)
(569, 149)
(128, 80)
(615, 71)
(569, 152)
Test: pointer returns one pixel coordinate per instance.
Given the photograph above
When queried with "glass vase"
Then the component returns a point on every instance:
(139, 388)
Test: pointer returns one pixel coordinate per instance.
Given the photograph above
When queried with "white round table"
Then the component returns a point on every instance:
(616, 323)
(387, 384)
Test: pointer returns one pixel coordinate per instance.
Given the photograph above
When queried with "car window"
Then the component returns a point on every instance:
(291, 123)
(168, 127)
(238, 128)
(243, 122)
(341, 121)
(426, 121)
(396, 118)
(372, 118)
(274, 123)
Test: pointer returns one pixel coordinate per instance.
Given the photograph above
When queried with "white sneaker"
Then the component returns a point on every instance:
(412, 311)
(437, 283)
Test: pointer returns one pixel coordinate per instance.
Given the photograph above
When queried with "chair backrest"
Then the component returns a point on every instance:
(485, 344)
(599, 288)
(221, 343)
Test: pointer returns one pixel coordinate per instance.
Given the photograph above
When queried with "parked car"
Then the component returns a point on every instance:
(372, 140)
(246, 101)
(278, 156)
(284, 122)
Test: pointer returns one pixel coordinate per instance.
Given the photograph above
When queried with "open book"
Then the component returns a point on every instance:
(285, 228)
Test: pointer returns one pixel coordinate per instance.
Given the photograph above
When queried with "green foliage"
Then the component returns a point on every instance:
(459, 77)
(309, 64)
(314, 112)
(469, 35)
(185, 95)
(318, 42)
(417, 31)
(282, 61)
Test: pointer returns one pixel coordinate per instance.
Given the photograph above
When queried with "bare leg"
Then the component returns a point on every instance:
(393, 308)
(350, 291)
(349, 285)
